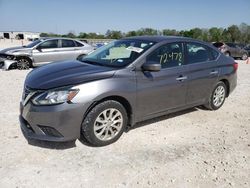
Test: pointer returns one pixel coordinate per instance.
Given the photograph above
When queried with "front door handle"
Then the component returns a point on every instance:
(181, 78)
(214, 72)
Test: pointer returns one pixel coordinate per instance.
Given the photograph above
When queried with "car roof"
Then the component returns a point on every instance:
(47, 38)
(159, 38)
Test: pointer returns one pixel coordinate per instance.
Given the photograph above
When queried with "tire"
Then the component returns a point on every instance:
(23, 63)
(244, 56)
(218, 96)
(101, 131)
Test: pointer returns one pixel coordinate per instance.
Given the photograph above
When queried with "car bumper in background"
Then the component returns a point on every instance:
(51, 123)
(6, 64)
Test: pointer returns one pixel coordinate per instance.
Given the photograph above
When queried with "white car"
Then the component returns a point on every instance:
(43, 51)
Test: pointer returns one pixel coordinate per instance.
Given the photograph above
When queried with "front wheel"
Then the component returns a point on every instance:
(23, 64)
(105, 123)
(217, 97)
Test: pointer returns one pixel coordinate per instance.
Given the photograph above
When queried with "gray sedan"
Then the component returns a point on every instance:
(97, 97)
(43, 51)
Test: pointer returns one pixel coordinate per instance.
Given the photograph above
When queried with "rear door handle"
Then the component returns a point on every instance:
(214, 72)
(181, 78)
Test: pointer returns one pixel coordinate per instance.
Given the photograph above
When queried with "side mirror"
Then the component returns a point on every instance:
(151, 66)
(39, 48)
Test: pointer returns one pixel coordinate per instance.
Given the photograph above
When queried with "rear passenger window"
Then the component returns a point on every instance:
(214, 53)
(168, 55)
(78, 44)
(197, 53)
(68, 43)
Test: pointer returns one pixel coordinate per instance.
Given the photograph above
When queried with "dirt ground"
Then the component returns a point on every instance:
(192, 148)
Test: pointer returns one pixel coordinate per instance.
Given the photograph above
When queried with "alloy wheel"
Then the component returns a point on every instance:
(219, 96)
(23, 64)
(108, 124)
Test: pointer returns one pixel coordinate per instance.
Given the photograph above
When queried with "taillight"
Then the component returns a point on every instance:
(235, 65)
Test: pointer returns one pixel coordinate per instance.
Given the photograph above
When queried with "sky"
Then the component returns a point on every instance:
(63, 16)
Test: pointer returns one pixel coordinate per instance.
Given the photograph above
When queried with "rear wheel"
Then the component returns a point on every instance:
(23, 63)
(217, 97)
(105, 123)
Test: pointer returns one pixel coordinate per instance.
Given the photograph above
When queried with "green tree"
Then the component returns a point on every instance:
(170, 32)
(186, 33)
(147, 31)
(131, 34)
(70, 35)
(83, 35)
(205, 35)
(215, 34)
(245, 33)
(196, 33)
(44, 35)
(114, 34)
(234, 31)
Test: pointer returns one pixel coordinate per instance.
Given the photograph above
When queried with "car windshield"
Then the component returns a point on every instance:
(31, 45)
(231, 45)
(118, 53)
(247, 46)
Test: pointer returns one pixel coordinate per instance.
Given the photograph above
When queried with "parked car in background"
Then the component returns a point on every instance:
(43, 51)
(124, 82)
(232, 49)
(247, 48)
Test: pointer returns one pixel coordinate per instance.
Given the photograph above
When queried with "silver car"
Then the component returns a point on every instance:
(43, 51)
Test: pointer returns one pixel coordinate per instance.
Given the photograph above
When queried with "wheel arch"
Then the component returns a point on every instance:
(24, 56)
(226, 82)
(120, 99)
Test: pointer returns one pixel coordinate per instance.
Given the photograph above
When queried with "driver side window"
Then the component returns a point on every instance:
(49, 44)
(168, 55)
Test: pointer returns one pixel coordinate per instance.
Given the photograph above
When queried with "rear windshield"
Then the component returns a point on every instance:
(218, 44)
(231, 44)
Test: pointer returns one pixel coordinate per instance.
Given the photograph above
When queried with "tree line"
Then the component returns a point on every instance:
(234, 33)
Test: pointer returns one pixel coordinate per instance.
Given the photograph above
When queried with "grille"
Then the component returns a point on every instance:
(50, 131)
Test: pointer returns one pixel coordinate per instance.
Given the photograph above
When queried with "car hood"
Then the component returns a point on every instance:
(15, 50)
(59, 74)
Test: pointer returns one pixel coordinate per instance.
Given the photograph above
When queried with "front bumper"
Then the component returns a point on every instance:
(57, 123)
(6, 64)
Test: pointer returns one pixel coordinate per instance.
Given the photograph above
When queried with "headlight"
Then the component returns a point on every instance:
(55, 97)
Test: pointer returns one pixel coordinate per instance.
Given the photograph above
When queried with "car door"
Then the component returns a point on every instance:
(232, 49)
(203, 72)
(46, 52)
(160, 91)
(69, 50)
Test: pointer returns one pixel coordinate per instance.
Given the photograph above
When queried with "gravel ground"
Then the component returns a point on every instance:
(192, 148)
